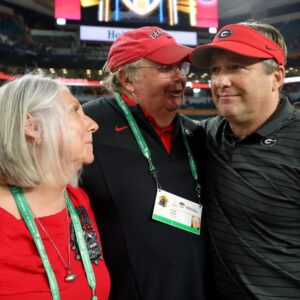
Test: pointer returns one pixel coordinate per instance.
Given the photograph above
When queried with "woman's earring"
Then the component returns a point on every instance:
(38, 141)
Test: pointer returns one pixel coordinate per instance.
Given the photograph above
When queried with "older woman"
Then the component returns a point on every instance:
(50, 247)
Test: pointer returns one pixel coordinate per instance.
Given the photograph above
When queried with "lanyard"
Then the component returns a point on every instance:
(137, 134)
(193, 165)
(145, 149)
(29, 220)
(82, 247)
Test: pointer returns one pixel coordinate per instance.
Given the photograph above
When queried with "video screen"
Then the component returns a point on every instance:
(175, 14)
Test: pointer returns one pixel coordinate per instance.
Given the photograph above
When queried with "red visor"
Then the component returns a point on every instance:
(146, 42)
(239, 39)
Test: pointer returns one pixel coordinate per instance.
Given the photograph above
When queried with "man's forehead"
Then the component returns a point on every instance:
(229, 56)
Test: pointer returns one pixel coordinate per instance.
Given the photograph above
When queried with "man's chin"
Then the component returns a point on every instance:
(177, 101)
(229, 115)
(174, 108)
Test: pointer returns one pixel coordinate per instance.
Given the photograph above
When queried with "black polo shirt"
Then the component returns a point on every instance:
(252, 199)
(147, 260)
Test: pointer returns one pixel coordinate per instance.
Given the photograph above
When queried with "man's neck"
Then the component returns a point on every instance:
(241, 131)
(244, 127)
(163, 118)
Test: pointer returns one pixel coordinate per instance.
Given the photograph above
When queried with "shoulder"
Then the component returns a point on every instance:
(297, 114)
(78, 196)
(81, 201)
(100, 106)
(195, 135)
(8, 203)
(188, 123)
(99, 102)
(211, 125)
(203, 127)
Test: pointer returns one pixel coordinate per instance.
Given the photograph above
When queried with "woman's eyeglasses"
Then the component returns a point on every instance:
(170, 70)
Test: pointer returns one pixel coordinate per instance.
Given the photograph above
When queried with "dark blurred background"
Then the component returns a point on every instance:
(30, 38)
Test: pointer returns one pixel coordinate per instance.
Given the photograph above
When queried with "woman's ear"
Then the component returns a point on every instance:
(125, 82)
(32, 129)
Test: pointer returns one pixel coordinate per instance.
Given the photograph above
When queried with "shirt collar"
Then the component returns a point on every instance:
(128, 101)
(167, 129)
(283, 114)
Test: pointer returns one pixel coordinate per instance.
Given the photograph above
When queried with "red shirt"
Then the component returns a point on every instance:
(165, 134)
(22, 274)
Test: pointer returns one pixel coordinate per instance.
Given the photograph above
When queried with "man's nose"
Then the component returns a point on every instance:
(221, 80)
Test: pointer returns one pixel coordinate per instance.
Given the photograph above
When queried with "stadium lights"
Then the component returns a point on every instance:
(212, 30)
(61, 21)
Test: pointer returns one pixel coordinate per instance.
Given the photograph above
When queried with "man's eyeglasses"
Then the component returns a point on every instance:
(170, 70)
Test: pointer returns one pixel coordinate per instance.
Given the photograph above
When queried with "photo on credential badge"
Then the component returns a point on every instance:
(163, 200)
(195, 222)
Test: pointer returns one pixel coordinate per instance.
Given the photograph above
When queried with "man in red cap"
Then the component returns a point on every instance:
(251, 190)
(144, 153)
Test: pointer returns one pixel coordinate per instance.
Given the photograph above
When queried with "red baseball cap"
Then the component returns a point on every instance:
(239, 39)
(146, 42)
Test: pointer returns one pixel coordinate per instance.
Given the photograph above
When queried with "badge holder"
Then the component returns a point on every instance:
(177, 211)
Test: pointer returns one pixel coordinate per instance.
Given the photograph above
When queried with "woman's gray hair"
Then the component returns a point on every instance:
(26, 162)
(112, 82)
(273, 34)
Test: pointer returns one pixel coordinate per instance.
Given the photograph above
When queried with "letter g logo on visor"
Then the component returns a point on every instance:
(225, 33)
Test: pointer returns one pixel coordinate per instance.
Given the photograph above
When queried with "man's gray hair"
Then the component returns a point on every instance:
(112, 81)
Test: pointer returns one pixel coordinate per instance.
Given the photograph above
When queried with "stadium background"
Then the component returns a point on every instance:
(30, 38)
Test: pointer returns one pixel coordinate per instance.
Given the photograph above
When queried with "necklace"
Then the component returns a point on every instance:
(70, 275)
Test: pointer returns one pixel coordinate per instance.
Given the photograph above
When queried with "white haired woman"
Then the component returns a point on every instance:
(50, 246)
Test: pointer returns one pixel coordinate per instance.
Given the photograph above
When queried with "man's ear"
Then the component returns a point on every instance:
(32, 129)
(125, 82)
(278, 80)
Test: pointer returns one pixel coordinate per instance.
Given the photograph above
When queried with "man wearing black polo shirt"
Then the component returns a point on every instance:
(252, 188)
(143, 184)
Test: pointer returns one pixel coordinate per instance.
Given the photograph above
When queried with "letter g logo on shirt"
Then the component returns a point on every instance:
(269, 141)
